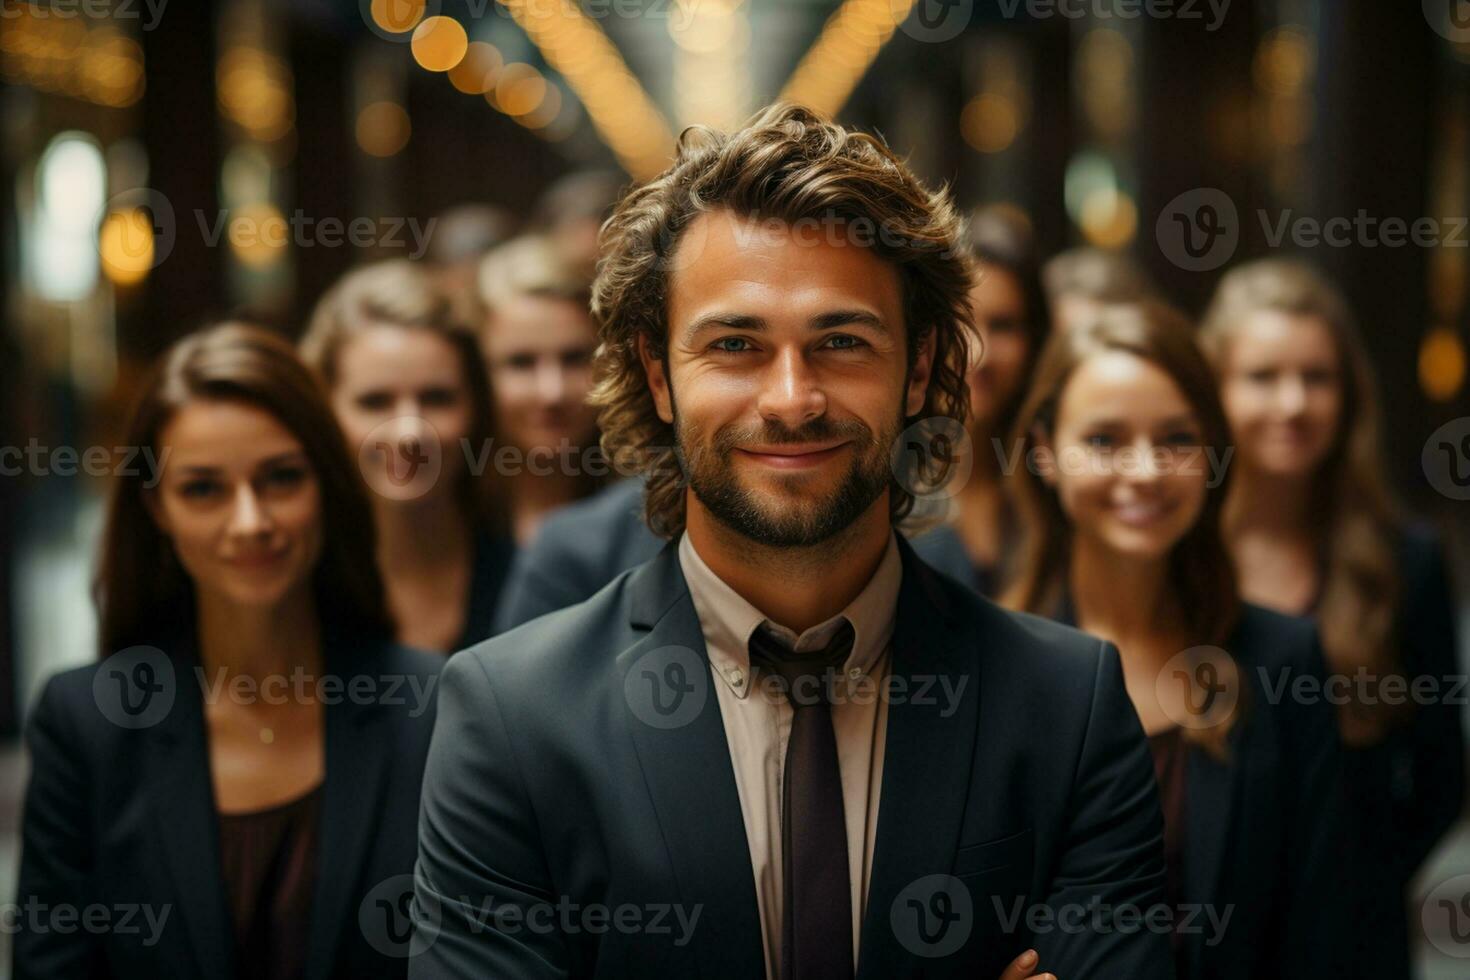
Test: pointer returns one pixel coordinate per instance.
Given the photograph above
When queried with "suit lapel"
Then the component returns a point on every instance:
(927, 762)
(184, 815)
(356, 758)
(679, 734)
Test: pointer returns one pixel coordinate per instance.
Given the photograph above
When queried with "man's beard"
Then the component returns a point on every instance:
(801, 522)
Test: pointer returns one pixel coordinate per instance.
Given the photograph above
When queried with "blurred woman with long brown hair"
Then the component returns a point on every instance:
(1011, 319)
(407, 382)
(242, 766)
(1126, 447)
(1314, 530)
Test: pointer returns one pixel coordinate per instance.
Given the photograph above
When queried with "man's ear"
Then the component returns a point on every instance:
(658, 379)
(919, 375)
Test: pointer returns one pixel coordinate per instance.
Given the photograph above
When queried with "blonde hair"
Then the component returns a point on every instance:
(529, 265)
(401, 293)
(1356, 518)
(785, 164)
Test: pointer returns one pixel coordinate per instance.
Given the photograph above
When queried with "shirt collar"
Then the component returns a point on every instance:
(728, 619)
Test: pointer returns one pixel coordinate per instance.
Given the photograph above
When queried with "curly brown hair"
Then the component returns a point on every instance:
(788, 165)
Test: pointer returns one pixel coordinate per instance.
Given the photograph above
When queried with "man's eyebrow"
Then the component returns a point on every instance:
(822, 321)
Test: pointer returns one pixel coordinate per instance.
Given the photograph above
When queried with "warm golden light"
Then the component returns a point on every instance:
(519, 90)
(990, 122)
(383, 129)
(476, 73)
(125, 245)
(258, 235)
(439, 43)
(398, 16)
(1442, 364)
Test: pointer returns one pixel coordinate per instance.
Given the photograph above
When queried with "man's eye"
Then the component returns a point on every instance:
(844, 341)
(731, 345)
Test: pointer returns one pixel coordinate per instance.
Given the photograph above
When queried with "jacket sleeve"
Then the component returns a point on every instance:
(56, 858)
(1315, 870)
(1431, 798)
(482, 891)
(1112, 853)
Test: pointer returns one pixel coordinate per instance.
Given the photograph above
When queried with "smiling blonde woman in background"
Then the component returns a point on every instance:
(1314, 530)
(407, 383)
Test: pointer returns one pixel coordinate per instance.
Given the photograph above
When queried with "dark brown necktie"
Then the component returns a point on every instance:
(816, 942)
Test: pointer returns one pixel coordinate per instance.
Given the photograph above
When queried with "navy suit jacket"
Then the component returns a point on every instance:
(581, 819)
(124, 818)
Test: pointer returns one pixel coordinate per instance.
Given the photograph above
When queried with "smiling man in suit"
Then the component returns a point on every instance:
(784, 747)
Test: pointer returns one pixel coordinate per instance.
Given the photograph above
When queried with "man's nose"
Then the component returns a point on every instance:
(791, 392)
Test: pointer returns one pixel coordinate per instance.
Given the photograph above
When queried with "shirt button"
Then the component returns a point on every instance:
(855, 672)
(737, 677)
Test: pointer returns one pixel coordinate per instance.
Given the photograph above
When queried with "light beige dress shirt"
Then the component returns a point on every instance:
(757, 723)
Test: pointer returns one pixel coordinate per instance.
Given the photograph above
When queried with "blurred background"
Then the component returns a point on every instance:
(164, 162)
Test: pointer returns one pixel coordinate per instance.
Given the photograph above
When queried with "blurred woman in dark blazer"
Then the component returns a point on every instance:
(1121, 499)
(1313, 529)
(1011, 318)
(232, 790)
(407, 383)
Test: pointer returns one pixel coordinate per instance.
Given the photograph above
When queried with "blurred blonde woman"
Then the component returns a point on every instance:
(1314, 530)
(538, 337)
(407, 382)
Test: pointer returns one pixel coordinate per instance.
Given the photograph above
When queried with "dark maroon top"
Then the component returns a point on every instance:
(269, 863)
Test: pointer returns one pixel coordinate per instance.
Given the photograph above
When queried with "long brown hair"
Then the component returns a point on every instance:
(400, 293)
(1201, 569)
(1356, 519)
(786, 165)
(140, 584)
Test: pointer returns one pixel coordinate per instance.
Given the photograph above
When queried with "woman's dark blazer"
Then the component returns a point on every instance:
(1405, 792)
(489, 570)
(1263, 837)
(123, 820)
